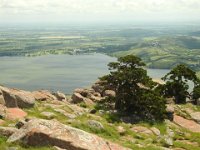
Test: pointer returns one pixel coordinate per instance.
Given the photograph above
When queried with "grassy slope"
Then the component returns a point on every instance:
(129, 138)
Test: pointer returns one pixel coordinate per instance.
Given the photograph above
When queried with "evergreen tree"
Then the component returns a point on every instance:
(177, 83)
(133, 88)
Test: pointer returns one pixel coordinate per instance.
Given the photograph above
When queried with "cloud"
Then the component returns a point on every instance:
(107, 8)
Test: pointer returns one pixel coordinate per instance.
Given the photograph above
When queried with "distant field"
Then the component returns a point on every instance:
(161, 47)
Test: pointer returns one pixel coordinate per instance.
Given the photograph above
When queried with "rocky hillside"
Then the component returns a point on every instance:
(43, 120)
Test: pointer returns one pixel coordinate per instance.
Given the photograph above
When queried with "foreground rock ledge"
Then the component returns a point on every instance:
(40, 132)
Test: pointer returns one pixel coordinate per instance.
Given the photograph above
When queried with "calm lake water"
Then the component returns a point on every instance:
(57, 72)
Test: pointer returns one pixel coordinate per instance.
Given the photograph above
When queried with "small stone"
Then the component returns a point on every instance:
(70, 116)
(95, 124)
(20, 124)
(60, 110)
(141, 129)
(155, 131)
(49, 115)
(121, 130)
(168, 141)
(101, 112)
(170, 132)
(93, 111)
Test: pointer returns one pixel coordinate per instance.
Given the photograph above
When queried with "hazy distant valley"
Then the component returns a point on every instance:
(160, 47)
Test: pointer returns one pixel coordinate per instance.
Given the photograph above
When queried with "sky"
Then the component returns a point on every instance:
(99, 11)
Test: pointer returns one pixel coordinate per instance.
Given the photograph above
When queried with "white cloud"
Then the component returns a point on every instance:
(107, 8)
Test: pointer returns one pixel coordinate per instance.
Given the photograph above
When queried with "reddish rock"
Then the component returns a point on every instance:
(15, 113)
(40, 132)
(188, 124)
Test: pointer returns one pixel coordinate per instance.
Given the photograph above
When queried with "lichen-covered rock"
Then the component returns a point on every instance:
(40, 132)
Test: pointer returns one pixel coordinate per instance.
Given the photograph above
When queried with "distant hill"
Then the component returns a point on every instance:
(166, 52)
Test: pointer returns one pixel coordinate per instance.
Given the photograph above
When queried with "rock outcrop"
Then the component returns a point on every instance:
(40, 132)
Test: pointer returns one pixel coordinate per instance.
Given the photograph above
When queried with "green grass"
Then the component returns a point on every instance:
(4, 145)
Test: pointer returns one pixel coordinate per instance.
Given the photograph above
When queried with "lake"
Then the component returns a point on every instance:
(57, 72)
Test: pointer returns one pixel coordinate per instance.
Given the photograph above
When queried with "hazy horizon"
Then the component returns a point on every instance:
(98, 11)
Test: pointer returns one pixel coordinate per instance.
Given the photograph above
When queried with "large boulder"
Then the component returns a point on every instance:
(78, 98)
(17, 98)
(43, 95)
(40, 132)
